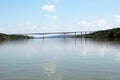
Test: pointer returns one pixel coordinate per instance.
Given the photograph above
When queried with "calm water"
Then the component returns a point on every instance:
(60, 59)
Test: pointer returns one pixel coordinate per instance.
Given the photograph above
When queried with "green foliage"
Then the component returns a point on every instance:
(9, 37)
(109, 34)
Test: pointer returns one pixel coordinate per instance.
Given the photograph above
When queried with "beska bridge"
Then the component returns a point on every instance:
(61, 33)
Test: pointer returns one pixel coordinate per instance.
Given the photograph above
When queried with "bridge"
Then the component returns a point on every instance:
(61, 33)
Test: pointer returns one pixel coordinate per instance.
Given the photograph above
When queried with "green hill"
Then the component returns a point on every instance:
(10, 37)
(108, 34)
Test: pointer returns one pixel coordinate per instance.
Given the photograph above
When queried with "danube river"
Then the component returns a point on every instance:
(60, 59)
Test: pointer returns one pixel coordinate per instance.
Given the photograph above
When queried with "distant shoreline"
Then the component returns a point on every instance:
(111, 34)
(13, 37)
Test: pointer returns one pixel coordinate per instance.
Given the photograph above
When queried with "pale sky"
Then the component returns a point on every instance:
(23, 16)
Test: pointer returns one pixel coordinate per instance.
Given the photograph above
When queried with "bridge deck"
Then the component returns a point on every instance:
(58, 33)
(64, 33)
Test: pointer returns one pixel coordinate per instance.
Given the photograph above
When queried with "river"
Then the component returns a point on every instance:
(60, 59)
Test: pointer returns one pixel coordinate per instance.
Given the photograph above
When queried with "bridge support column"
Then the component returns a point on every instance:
(43, 36)
(81, 34)
(64, 35)
(75, 35)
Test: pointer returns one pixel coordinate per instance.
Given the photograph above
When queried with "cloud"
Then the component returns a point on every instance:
(28, 26)
(49, 16)
(33, 27)
(117, 18)
(98, 24)
(27, 23)
(101, 22)
(49, 8)
(54, 17)
(84, 23)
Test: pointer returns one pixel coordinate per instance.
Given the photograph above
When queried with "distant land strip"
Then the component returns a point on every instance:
(13, 37)
(111, 34)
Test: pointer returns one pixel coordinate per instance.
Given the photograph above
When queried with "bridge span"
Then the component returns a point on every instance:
(61, 33)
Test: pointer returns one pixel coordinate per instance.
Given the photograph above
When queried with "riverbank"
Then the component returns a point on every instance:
(112, 34)
(13, 37)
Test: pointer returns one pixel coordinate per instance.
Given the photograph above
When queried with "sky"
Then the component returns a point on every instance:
(24, 16)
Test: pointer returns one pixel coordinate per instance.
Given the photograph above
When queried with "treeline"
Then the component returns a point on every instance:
(10, 37)
(109, 34)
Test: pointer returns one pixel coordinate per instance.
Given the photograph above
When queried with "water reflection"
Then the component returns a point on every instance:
(60, 59)
(84, 52)
(50, 63)
(50, 68)
(118, 56)
(102, 50)
(28, 49)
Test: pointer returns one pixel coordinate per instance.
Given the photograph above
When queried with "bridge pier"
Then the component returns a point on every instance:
(64, 35)
(75, 35)
(43, 36)
(81, 34)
